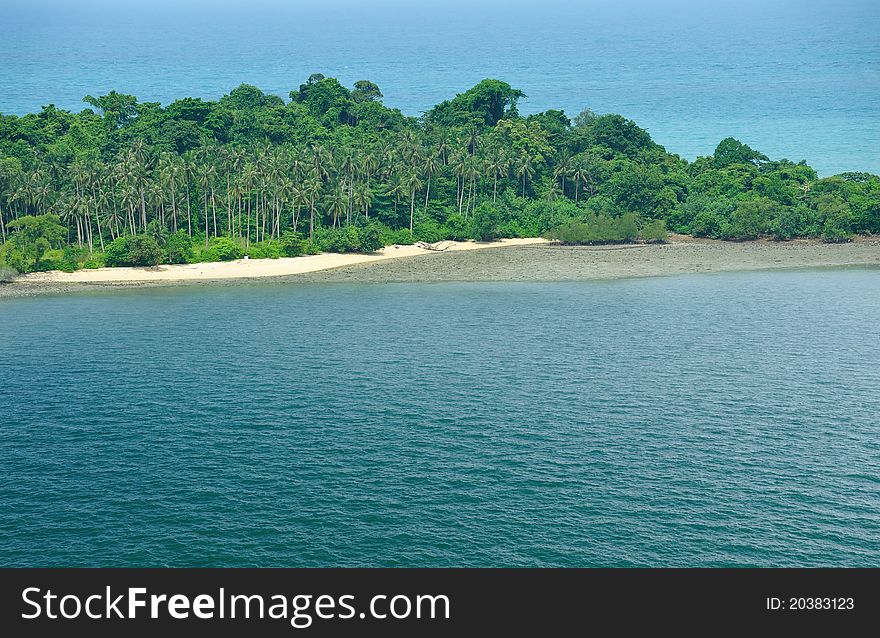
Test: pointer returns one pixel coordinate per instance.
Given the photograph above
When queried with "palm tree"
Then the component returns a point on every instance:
(320, 159)
(429, 167)
(169, 176)
(497, 165)
(8, 179)
(363, 197)
(443, 148)
(472, 172)
(113, 219)
(368, 166)
(562, 171)
(591, 168)
(285, 195)
(553, 192)
(312, 189)
(347, 167)
(458, 163)
(189, 174)
(80, 175)
(395, 187)
(102, 201)
(413, 182)
(473, 140)
(337, 203)
(129, 194)
(524, 170)
(206, 175)
(139, 167)
(68, 215)
(299, 198)
(273, 183)
(227, 159)
(578, 174)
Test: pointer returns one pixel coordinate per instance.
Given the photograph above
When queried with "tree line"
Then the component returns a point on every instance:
(333, 168)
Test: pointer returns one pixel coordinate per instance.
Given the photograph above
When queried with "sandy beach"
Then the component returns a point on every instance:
(253, 268)
(506, 260)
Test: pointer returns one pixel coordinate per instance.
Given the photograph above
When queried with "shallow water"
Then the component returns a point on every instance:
(793, 78)
(697, 421)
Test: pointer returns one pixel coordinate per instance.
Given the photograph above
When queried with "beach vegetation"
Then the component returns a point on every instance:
(133, 250)
(224, 249)
(7, 274)
(486, 223)
(595, 229)
(654, 232)
(332, 168)
(178, 248)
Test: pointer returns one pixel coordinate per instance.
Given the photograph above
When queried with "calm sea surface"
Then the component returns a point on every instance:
(794, 78)
(703, 420)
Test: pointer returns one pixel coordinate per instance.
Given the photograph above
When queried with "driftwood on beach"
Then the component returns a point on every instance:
(439, 246)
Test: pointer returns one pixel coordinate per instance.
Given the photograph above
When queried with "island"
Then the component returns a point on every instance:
(332, 177)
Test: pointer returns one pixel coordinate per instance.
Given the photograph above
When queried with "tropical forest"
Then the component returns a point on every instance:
(332, 169)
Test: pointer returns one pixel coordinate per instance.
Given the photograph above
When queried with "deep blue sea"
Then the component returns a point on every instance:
(702, 420)
(793, 78)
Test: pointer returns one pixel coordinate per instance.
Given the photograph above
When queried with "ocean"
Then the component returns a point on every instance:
(793, 78)
(701, 420)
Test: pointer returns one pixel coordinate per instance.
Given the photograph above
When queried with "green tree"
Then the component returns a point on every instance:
(486, 223)
(837, 218)
(365, 91)
(731, 151)
(133, 250)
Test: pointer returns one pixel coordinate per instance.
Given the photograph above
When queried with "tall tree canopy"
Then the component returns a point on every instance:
(334, 168)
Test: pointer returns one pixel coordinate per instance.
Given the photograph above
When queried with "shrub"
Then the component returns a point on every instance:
(95, 261)
(597, 229)
(52, 260)
(370, 239)
(178, 248)
(390, 237)
(708, 223)
(273, 250)
(116, 252)
(16, 258)
(133, 250)
(837, 228)
(838, 218)
(354, 239)
(339, 240)
(7, 274)
(428, 230)
(625, 228)
(486, 223)
(255, 251)
(75, 257)
(513, 228)
(457, 227)
(292, 244)
(225, 249)
(749, 219)
(794, 221)
(654, 232)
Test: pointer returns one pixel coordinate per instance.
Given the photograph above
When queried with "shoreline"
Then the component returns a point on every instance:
(253, 268)
(532, 259)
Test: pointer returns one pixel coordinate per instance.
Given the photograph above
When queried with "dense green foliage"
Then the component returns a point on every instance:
(333, 169)
(133, 250)
(604, 229)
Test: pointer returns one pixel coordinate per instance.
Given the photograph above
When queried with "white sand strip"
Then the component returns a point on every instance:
(246, 268)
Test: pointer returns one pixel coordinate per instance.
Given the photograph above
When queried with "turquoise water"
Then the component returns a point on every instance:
(794, 78)
(698, 421)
